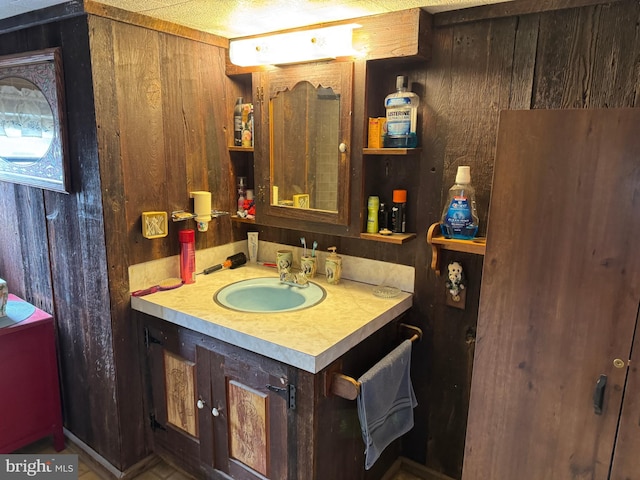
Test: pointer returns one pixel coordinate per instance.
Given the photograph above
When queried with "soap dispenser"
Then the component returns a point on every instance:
(333, 266)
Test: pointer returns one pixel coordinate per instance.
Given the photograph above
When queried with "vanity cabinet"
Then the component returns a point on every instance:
(216, 408)
(219, 411)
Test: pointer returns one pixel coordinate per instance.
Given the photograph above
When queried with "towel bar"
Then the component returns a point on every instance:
(348, 387)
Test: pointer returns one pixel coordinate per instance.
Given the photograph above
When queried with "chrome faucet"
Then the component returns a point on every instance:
(294, 279)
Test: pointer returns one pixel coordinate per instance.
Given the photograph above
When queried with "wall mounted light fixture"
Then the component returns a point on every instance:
(294, 47)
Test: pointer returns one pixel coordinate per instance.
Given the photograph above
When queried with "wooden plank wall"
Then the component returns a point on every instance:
(162, 105)
(573, 58)
(163, 118)
(159, 130)
(53, 252)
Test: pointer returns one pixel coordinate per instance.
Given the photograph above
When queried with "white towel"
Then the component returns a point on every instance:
(386, 401)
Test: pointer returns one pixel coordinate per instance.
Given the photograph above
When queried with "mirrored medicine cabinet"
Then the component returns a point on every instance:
(303, 161)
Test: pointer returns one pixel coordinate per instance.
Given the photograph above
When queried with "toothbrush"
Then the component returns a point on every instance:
(304, 245)
(313, 249)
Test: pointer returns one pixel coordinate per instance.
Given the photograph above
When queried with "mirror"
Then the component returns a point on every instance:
(26, 122)
(309, 118)
(304, 134)
(32, 138)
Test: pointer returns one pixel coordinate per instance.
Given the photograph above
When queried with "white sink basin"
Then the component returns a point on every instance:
(268, 294)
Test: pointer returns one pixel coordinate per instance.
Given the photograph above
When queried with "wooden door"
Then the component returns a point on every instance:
(248, 420)
(559, 299)
(172, 373)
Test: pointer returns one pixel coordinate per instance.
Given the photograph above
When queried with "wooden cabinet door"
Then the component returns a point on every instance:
(559, 299)
(249, 421)
(300, 138)
(171, 367)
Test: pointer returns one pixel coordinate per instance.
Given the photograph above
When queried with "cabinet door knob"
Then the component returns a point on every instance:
(215, 412)
(342, 147)
(201, 403)
(618, 363)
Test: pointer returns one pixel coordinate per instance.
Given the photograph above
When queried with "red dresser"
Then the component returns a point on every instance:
(30, 406)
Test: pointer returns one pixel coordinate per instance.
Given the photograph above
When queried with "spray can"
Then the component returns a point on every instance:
(399, 211)
(372, 218)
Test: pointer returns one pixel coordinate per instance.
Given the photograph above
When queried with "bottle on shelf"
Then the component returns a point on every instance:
(399, 211)
(459, 216)
(247, 125)
(242, 193)
(373, 205)
(383, 217)
(402, 116)
(237, 123)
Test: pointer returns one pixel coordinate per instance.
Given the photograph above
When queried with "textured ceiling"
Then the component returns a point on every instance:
(237, 18)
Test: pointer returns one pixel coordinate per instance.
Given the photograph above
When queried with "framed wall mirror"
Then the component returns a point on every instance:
(309, 118)
(33, 146)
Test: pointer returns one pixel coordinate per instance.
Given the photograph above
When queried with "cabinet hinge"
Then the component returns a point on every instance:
(149, 339)
(288, 393)
(260, 94)
(155, 425)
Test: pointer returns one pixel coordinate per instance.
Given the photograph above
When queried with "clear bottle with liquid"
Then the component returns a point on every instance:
(402, 116)
(242, 192)
(237, 122)
(459, 216)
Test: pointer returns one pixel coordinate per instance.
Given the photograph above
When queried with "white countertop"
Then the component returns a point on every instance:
(309, 339)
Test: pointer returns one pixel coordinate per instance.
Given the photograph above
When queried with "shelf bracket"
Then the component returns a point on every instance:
(435, 249)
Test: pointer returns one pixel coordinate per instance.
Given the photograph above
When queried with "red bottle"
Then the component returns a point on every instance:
(187, 255)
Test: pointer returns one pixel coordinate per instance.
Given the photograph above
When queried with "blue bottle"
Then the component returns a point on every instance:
(402, 116)
(459, 216)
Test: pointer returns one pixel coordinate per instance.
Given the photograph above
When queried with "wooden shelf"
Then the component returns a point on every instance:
(437, 241)
(395, 238)
(241, 149)
(391, 151)
(236, 218)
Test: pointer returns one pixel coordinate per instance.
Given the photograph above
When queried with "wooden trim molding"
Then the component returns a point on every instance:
(509, 9)
(94, 7)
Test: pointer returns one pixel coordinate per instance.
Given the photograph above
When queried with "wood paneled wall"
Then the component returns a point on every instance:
(53, 253)
(160, 129)
(573, 58)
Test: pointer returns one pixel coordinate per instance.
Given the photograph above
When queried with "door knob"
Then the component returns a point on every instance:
(201, 403)
(215, 412)
(618, 363)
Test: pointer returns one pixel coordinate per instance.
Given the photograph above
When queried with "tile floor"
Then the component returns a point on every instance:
(159, 471)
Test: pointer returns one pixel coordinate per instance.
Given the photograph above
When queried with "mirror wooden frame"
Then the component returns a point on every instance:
(43, 68)
(339, 77)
